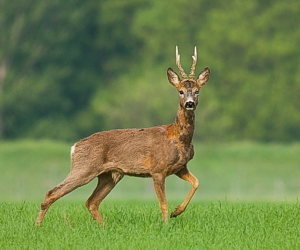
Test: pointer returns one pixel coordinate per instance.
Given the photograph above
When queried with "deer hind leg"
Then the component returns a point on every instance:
(74, 180)
(106, 182)
(159, 185)
(186, 175)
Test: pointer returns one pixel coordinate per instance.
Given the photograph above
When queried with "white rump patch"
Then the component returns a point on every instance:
(72, 149)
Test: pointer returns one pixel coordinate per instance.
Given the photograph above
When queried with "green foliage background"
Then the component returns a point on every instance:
(71, 68)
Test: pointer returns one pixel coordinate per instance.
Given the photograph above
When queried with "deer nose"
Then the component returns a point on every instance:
(190, 105)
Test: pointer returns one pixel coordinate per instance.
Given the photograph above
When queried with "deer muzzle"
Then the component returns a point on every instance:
(190, 105)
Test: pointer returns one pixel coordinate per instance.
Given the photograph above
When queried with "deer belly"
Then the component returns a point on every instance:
(137, 170)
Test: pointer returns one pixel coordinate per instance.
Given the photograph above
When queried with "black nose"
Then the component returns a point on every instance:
(189, 105)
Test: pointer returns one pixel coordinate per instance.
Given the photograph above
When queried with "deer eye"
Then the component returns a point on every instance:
(181, 92)
(197, 92)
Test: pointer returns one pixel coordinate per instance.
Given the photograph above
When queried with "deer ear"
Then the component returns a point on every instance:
(203, 77)
(173, 77)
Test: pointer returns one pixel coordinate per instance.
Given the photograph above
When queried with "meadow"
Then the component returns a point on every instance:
(247, 199)
(136, 225)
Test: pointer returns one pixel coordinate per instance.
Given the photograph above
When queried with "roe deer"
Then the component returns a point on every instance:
(155, 152)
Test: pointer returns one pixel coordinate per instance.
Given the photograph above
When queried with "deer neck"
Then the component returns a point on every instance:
(185, 125)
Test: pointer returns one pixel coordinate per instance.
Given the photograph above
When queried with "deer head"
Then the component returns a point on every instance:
(187, 87)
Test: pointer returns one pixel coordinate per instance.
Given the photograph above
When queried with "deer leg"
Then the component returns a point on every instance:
(159, 185)
(186, 175)
(73, 181)
(106, 182)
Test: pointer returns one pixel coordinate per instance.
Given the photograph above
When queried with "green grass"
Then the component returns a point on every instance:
(138, 225)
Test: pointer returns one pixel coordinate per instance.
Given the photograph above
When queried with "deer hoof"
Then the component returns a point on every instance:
(173, 215)
(176, 212)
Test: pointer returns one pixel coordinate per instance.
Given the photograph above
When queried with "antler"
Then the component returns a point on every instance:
(179, 65)
(192, 73)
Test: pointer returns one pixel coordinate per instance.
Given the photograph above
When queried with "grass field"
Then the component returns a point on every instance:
(247, 199)
(136, 225)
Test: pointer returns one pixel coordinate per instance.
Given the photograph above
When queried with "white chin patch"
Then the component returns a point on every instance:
(189, 108)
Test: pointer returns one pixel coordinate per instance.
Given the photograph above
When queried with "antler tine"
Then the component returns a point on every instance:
(192, 73)
(179, 65)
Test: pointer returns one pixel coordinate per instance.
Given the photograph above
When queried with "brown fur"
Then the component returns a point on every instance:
(155, 152)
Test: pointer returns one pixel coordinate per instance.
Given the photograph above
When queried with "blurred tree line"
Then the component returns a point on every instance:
(71, 68)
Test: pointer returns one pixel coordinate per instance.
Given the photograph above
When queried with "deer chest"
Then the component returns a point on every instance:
(186, 154)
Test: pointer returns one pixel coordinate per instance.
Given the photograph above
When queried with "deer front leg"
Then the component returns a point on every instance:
(186, 175)
(159, 185)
